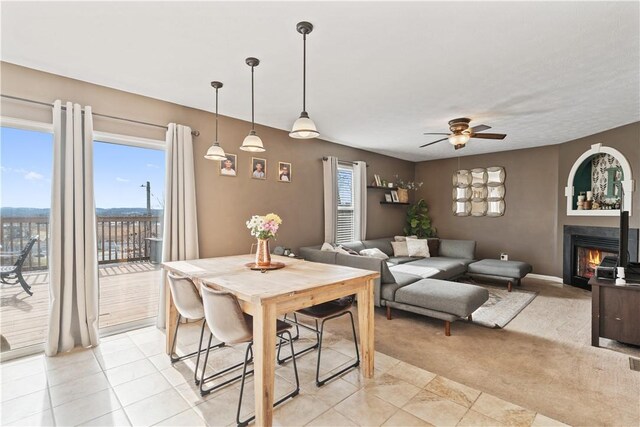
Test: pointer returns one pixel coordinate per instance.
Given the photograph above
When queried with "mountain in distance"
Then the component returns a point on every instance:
(40, 212)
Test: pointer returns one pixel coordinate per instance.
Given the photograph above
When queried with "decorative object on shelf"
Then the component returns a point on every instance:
(390, 184)
(252, 142)
(284, 172)
(215, 152)
(304, 127)
(395, 197)
(258, 168)
(264, 228)
(404, 187)
(229, 166)
(418, 222)
(479, 192)
(388, 198)
(378, 180)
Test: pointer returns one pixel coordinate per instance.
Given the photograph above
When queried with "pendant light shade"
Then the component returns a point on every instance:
(215, 152)
(252, 142)
(304, 127)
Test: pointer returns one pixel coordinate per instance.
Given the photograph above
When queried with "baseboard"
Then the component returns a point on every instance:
(554, 279)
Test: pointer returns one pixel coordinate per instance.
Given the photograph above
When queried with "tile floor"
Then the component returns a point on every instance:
(128, 380)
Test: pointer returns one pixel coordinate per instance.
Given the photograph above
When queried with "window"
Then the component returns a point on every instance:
(345, 227)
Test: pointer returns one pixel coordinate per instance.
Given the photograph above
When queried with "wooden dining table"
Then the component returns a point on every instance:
(267, 295)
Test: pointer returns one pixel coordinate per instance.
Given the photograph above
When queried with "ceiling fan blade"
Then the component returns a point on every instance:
(457, 147)
(435, 133)
(431, 143)
(479, 128)
(488, 135)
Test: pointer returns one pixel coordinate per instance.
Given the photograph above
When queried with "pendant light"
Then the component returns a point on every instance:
(304, 128)
(252, 142)
(215, 152)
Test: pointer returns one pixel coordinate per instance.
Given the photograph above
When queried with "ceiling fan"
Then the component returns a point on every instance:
(461, 133)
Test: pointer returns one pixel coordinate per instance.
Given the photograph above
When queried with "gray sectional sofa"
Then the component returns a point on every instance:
(420, 285)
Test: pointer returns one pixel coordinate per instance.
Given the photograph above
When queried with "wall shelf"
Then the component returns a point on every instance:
(383, 202)
(382, 188)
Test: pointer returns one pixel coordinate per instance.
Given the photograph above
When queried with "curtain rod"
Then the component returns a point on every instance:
(193, 132)
(343, 161)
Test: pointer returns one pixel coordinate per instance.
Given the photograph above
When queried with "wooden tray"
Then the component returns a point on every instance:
(272, 266)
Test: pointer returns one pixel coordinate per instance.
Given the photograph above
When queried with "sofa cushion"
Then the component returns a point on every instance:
(354, 246)
(434, 245)
(403, 238)
(418, 247)
(388, 290)
(374, 253)
(366, 263)
(449, 267)
(409, 268)
(383, 244)
(314, 254)
(460, 299)
(496, 267)
(457, 248)
(401, 259)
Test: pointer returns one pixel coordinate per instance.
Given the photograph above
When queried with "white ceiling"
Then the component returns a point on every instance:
(379, 73)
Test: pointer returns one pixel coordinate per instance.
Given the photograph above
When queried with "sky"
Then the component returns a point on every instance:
(119, 171)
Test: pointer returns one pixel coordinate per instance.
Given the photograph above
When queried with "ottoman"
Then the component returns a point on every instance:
(511, 271)
(441, 299)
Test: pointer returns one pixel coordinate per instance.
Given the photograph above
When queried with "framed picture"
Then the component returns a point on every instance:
(258, 168)
(284, 172)
(387, 198)
(229, 166)
(394, 196)
(378, 180)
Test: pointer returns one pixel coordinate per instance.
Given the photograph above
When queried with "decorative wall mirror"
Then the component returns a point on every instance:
(599, 183)
(479, 192)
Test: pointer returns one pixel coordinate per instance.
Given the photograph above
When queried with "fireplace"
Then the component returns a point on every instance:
(584, 247)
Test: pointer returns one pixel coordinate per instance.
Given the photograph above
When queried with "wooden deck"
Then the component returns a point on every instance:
(128, 292)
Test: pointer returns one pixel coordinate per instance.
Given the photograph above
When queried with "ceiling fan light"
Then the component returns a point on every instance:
(252, 143)
(459, 139)
(215, 152)
(304, 128)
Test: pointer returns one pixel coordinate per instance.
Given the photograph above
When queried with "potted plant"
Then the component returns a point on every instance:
(404, 187)
(418, 221)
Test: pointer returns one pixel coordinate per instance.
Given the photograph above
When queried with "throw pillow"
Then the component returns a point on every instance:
(348, 250)
(434, 246)
(418, 247)
(400, 248)
(327, 247)
(374, 253)
(341, 250)
(404, 238)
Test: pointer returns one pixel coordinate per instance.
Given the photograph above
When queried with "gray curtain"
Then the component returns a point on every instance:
(360, 190)
(330, 179)
(73, 258)
(180, 234)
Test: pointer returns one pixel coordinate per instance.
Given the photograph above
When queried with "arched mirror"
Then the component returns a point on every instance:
(600, 183)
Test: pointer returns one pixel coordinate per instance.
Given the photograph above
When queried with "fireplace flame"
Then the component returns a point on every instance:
(594, 258)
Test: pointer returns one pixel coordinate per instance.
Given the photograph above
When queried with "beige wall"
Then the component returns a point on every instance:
(531, 229)
(224, 203)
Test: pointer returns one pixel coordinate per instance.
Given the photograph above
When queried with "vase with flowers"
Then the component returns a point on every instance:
(264, 228)
(404, 187)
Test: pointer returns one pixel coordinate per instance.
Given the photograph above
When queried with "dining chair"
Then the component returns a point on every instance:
(323, 313)
(189, 306)
(228, 323)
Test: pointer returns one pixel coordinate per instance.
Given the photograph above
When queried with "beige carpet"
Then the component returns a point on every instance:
(541, 360)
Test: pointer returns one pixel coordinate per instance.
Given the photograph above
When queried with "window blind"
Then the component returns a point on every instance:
(345, 227)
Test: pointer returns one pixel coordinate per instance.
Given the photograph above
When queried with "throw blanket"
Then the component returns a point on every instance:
(423, 272)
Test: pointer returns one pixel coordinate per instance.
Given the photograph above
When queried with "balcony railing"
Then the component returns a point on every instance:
(119, 239)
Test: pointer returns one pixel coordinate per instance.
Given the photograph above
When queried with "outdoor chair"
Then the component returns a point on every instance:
(228, 323)
(324, 312)
(12, 274)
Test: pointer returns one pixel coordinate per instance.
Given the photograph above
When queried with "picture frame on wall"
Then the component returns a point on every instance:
(258, 168)
(284, 172)
(387, 198)
(394, 197)
(229, 167)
